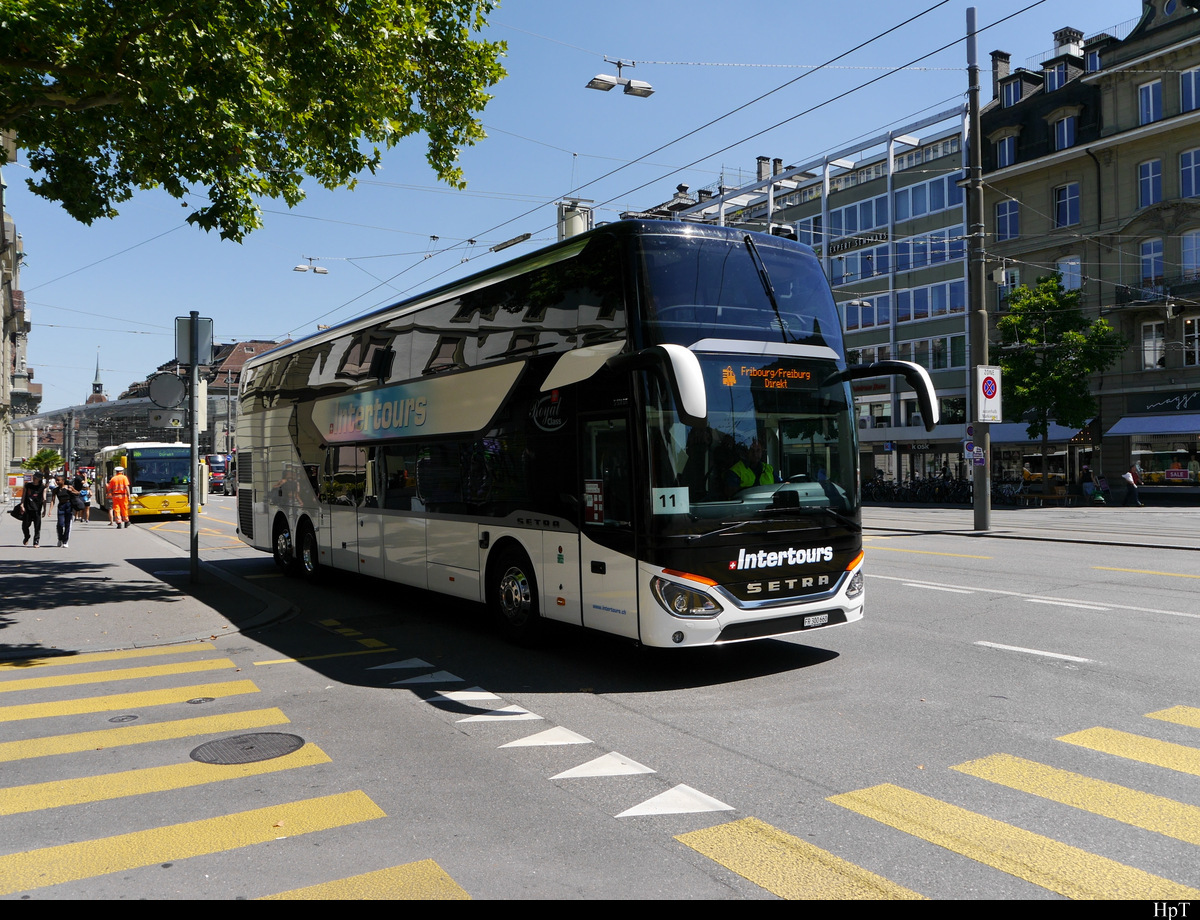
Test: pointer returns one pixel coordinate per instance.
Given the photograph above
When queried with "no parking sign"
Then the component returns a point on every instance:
(987, 394)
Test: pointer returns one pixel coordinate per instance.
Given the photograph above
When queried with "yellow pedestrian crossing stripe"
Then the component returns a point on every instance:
(1167, 754)
(57, 793)
(1180, 715)
(1056, 866)
(787, 866)
(24, 664)
(125, 701)
(103, 677)
(123, 852)
(138, 734)
(418, 881)
(1139, 809)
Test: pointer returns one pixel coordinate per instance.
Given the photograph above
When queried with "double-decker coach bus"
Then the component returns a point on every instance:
(646, 429)
(159, 477)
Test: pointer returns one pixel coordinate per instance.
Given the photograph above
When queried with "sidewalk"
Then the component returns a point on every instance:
(116, 589)
(1161, 528)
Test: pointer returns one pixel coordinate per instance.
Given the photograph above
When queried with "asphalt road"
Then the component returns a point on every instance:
(1012, 719)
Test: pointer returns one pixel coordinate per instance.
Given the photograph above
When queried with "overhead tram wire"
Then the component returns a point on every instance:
(708, 124)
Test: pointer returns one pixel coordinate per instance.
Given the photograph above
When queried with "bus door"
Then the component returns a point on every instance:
(607, 557)
(402, 514)
(342, 491)
(370, 521)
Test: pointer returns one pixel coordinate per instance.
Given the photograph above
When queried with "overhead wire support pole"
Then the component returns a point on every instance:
(194, 493)
(978, 326)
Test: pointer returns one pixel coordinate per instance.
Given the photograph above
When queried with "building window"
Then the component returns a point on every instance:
(1150, 102)
(1189, 90)
(1093, 61)
(1006, 152)
(1008, 226)
(1152, 268)
(1056, 76)
(1153, 340)
(1191, 255)
(1191, 342)
(1066, 205)
(1189, 173)
(1064, 133)
(1011, 93)
(1070, 270)
(1149, 183)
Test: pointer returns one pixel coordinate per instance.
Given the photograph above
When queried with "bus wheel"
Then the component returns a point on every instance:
(282, 549)
(309, 555)
(513, 596)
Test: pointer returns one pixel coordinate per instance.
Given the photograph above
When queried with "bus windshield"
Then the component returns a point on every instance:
(777, 445)
(696, 287)
(158, 469)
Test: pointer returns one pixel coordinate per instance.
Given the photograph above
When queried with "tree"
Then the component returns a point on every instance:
(1048, 351)
(45, 459)
(235, 100)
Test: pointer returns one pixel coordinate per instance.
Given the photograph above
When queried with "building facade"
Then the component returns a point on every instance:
(1092, 170)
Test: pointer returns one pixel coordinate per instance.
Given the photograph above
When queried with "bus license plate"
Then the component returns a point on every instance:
(819, 619)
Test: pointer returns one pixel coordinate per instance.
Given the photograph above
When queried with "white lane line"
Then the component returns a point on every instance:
(1042, 600)
(916, 584)
(1034, 651)
(1001, 591)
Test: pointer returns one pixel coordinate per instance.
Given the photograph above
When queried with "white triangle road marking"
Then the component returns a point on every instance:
(407, 663)
(462, 696)
(682, 800)
(612, 764)
(550, 736)
(507, 714)
(437, 677)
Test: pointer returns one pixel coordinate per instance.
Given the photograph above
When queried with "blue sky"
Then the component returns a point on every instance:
(114, 288)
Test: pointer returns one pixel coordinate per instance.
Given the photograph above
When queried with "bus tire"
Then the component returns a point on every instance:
(513, 596)
(282, 549)
(308, 553)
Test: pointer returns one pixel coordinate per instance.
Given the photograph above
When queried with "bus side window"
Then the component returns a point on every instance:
(607, 462)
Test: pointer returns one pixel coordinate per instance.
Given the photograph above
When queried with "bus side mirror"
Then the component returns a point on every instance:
(914, 375)
(682, 370)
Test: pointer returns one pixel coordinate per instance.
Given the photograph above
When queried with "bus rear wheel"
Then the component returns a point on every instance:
(281, 549)
(309, 554)
(513, 597)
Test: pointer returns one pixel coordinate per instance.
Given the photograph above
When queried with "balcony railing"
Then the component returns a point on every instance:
(1183, 287)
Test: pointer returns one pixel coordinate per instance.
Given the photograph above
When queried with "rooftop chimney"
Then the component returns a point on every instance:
(764, 167)
(1068, 41)
(776, 166)
(1000, 61)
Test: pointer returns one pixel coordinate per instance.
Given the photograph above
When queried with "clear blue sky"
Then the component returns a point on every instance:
(117, 285)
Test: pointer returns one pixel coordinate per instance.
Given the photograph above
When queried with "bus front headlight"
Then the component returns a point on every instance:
(683, 601)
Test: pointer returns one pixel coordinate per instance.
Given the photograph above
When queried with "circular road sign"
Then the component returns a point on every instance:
(989, 387)
(167, 391)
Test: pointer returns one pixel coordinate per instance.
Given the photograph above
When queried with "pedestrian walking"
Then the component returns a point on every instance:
(118, 497)
(84, 514)
(66, 495)
(1133, 479)
(32, 500)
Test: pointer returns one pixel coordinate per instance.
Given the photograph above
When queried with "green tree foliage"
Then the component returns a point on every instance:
(45, 459)
(1048, 351)
(235, 100)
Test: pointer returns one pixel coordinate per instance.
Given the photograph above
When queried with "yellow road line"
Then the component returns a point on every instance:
(1109, 568)
(369, 651)
(100, 677)
(418, 881)
(923, 552)
(1180, 715)
(91, 657)
(372, 643)
(1139, 809)
(789, 867)
(138, 734)
(1178, 757)
(90, 858)
(1052, 865)
(59, 793)
(125, 701)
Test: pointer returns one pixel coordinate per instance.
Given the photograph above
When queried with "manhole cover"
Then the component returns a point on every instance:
(247, 748)
(123, 719)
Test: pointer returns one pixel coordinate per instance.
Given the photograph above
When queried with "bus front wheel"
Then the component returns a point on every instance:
(514, 598)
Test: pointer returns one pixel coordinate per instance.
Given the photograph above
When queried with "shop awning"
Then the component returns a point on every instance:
(1171, 423)
(1018, 433)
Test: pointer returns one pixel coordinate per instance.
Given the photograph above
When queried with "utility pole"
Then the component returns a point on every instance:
(982, 491)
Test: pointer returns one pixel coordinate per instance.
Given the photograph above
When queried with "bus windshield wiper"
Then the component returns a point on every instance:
(814, 509)
(761, 267)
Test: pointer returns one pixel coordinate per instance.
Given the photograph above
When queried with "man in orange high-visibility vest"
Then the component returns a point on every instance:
(118, 495)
